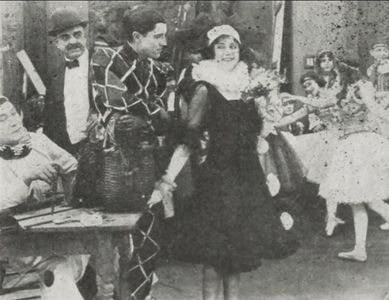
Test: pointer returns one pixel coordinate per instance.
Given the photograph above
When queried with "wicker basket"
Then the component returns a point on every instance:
(128, 178)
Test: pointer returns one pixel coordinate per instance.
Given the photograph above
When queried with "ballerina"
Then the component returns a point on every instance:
(315, 149)
(359, 168)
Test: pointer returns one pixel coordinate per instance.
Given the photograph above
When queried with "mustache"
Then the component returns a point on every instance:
(74, 46)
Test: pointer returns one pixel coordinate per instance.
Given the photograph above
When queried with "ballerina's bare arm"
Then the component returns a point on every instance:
(320, 102)
(297, 115)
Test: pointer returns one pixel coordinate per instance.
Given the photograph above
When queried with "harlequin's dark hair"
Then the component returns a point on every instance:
(141, 19)
(3, 100)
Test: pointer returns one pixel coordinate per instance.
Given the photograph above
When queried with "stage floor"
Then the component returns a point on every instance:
(313, 273)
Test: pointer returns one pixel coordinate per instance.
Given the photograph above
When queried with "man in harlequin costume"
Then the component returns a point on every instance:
(130, 91)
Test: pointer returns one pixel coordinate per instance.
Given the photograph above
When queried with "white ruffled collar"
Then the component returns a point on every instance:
(230, 84)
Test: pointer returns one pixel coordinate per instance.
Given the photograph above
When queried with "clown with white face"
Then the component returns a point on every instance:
(30, 165)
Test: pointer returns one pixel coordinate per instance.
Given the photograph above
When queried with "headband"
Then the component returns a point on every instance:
(217, 31)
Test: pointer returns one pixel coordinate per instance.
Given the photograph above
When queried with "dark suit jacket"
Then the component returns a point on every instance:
(54, 118)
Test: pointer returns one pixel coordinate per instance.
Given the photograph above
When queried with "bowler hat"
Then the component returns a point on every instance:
(63, 19)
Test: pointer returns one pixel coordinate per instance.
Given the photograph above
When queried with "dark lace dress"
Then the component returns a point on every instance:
(231, 222)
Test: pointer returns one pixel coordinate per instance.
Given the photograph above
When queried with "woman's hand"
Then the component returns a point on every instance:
(163, 190)
(155, 198)
(47, 172)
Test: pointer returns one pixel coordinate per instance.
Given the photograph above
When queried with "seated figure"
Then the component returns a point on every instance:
(29, 167)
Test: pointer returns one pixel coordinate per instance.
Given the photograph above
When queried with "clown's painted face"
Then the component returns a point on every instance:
(12, 131)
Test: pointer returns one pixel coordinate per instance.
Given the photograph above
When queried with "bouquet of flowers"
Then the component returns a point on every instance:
(263, 81)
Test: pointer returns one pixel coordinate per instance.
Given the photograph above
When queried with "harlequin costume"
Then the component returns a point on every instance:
(125, 84)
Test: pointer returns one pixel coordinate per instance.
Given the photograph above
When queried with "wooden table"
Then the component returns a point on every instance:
(39, 235)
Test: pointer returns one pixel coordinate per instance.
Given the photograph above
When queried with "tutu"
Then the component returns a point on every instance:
(315, 152)
(358, 171)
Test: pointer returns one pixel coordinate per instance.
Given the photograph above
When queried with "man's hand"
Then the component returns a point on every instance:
(129, 123)
(47, 172)
(92, 122)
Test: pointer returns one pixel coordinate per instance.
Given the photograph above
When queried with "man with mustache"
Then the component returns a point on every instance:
(68, 114)
(67, 106)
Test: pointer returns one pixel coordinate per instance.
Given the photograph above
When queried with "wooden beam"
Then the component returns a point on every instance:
(12, 35)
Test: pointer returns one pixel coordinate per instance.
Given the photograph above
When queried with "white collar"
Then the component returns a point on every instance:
(229, 84)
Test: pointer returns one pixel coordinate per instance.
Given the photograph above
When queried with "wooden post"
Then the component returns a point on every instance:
(12, 36)
(35, 38)
(2, 47)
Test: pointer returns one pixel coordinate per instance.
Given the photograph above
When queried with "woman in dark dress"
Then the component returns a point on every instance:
(231, 223)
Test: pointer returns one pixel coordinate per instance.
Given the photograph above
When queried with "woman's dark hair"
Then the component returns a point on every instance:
(315, 77)
(333, 73)
(323, 54)
(141, 19)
